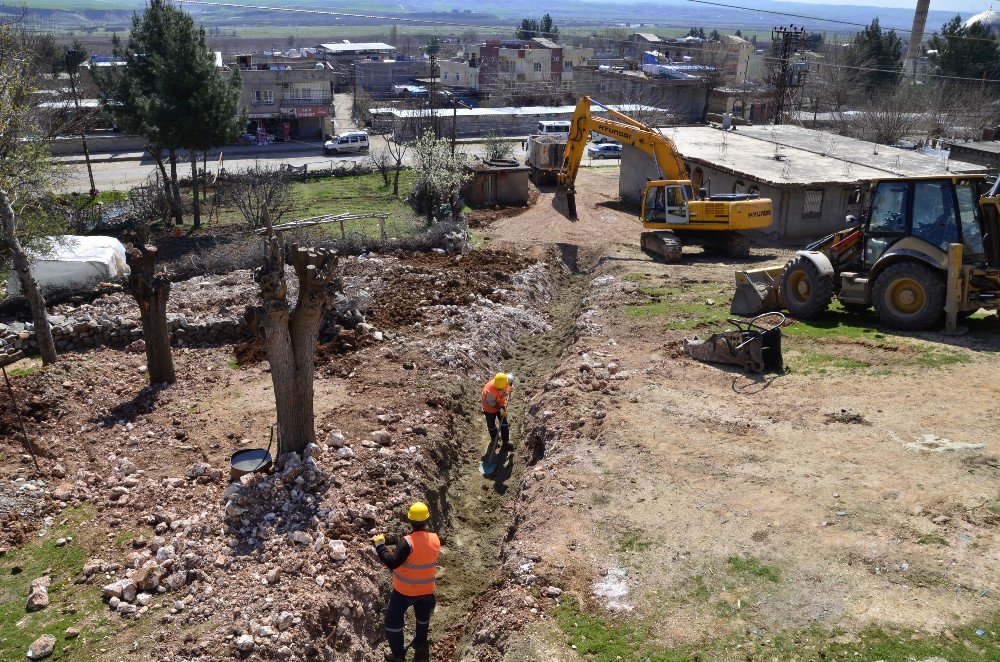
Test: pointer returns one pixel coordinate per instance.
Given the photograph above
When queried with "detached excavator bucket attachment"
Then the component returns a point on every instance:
(757, 291)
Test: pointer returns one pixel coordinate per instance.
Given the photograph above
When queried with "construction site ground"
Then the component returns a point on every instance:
(654, 507)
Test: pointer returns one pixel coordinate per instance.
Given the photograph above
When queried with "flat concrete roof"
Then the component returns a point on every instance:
(984, 146)
(350, 47)
(805, 156)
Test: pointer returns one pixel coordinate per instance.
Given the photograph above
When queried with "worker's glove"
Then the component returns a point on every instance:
(503, 413)
(378, 539)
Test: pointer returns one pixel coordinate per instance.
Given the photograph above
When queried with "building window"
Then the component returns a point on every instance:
(538, 66)
(812, 203)
(256, 96)
(268, 96)
(458, 77)
(445, 76)
(568, 65)
(754, 190)
(739, 187)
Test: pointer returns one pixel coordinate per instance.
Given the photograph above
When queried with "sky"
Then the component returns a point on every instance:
(964, 6)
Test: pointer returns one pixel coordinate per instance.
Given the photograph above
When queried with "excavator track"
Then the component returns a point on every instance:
(663, 244)
(730, 244)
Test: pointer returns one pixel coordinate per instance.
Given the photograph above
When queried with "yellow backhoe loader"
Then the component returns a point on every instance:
(671, 210)
(924, 247)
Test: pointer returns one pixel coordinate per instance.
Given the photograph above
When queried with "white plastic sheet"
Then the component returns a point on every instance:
(75, 261)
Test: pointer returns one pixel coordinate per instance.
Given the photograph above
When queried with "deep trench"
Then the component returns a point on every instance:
(476, 512)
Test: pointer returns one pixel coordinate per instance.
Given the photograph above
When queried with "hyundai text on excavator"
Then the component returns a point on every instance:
(924, 247)
(671, 210)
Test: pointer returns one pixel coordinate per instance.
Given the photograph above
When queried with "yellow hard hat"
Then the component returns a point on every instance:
(500, 380)
(418, 512)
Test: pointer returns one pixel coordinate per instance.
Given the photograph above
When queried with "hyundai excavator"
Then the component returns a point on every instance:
(671, 210)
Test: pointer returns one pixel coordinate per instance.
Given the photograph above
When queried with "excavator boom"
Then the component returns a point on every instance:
(669, 204)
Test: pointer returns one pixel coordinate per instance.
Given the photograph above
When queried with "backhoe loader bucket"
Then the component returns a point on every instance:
(757, 291)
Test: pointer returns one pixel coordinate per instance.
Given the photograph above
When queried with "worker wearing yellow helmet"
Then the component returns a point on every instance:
(495, 394)
(414, 565)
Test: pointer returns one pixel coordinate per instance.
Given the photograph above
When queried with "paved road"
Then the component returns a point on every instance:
(123, 171)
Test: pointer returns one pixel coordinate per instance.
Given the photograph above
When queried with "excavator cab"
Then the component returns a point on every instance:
(665, 202)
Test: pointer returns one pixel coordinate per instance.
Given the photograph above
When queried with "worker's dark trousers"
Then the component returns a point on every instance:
(422, 605)
(491, 425)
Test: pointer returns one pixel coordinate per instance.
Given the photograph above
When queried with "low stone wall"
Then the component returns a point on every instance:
(73, 334)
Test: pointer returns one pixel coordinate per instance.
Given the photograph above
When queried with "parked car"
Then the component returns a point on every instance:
(353, 141)
(605, 151)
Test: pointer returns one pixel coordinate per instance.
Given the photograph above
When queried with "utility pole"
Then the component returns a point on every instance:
(786, 41)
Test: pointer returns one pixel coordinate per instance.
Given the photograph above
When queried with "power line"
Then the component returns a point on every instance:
(825, 20)
(891, 71)
(426, 21)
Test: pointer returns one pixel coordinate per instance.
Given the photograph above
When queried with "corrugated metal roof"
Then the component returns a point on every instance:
(358, 46)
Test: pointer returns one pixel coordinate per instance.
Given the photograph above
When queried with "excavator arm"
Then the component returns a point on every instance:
(623, 129)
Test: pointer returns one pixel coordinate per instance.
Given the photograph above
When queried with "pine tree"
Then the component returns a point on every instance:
(169, 90)
(966, 52)
(880, 52)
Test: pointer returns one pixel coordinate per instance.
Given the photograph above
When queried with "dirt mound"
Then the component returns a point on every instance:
(431, 279)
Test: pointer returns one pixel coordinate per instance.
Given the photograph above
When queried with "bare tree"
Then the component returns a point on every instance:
(835, 79)
(262, 195)
(397, 151)
(887, 117)
(151, 289)
(25, 178)
(381, 160)
(290, 336)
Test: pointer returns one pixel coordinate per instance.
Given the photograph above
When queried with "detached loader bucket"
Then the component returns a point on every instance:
(757, 291)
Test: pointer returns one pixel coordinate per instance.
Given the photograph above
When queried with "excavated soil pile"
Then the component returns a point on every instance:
(423, 280)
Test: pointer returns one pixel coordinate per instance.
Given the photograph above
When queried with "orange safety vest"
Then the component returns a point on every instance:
(493, 398)
(416, 576)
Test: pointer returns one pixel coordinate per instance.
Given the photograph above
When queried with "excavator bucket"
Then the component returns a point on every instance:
(757, 291)
(565, 202)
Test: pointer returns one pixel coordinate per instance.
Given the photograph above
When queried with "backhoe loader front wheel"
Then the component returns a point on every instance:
(807, 293)
(909, 296)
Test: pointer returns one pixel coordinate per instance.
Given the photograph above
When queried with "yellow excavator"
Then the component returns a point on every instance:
(671, 210)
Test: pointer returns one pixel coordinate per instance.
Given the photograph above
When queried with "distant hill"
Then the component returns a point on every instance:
(664, 13)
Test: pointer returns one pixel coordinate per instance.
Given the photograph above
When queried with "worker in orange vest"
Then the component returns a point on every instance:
(413, 564)
(495, 394)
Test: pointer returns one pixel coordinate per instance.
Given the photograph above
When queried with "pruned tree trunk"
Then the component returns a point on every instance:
(29, 286)
(290, 337)
(151, 291)
(194, 189)
(395, 178)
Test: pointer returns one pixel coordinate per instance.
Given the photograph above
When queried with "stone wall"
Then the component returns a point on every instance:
(87, 332)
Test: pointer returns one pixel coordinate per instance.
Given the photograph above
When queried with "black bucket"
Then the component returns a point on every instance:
(248, 461)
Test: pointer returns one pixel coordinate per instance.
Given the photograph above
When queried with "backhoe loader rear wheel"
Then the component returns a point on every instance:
(807, 293)
(909, 296)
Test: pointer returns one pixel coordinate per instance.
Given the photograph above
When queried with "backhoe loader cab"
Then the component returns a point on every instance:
(897, 260)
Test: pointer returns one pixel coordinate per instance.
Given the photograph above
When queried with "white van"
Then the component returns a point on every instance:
(554, 126)
(353, 141)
